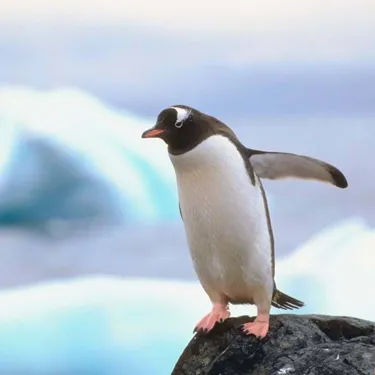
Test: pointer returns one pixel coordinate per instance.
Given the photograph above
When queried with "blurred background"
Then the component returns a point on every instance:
(95, 274)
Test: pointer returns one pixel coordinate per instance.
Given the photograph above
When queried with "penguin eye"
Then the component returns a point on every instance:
(179, 124)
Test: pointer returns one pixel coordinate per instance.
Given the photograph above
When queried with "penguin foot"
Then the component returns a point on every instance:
(218, 314)
(259, 327)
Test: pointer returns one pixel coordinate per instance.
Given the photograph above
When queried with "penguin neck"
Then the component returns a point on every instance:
(180, 146)
(216, 151)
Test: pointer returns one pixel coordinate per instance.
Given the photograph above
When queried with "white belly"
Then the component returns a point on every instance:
(225, 221)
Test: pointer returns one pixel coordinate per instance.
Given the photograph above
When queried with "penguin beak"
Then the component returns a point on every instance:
(153, 132)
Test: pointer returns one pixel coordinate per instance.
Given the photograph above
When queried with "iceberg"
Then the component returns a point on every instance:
(333, 272)
(112, 326)
(98, 325)
(65, 155)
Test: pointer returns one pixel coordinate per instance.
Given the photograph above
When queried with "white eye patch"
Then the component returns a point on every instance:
(182, 115)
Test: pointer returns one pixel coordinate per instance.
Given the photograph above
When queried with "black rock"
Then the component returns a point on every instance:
(295, 344)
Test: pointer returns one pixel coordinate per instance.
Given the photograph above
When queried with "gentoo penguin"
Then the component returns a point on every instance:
(224, 210)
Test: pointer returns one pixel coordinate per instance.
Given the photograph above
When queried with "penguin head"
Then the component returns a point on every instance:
(180, 127)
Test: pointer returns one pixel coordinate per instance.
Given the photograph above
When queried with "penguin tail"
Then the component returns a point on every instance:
(285, 302)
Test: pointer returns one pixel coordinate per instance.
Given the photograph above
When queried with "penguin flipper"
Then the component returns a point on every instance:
(285, 302)
(279, 165)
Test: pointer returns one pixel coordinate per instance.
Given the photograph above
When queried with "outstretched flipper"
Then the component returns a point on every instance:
(279, 165)
(285, 302)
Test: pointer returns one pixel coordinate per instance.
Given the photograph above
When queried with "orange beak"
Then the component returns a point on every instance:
(152, 133)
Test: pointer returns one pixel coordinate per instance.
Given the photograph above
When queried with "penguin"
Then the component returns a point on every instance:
(225, 214)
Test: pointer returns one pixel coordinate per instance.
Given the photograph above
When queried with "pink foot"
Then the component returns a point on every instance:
(218, 314)
(259, 327)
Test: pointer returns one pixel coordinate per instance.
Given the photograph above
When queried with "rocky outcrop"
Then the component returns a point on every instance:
(295, 345)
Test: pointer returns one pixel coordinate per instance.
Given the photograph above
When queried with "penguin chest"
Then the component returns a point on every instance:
(224, 217)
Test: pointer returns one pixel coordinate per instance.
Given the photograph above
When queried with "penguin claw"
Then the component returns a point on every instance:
(201, 331)
(257, 328)
(218, 314)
